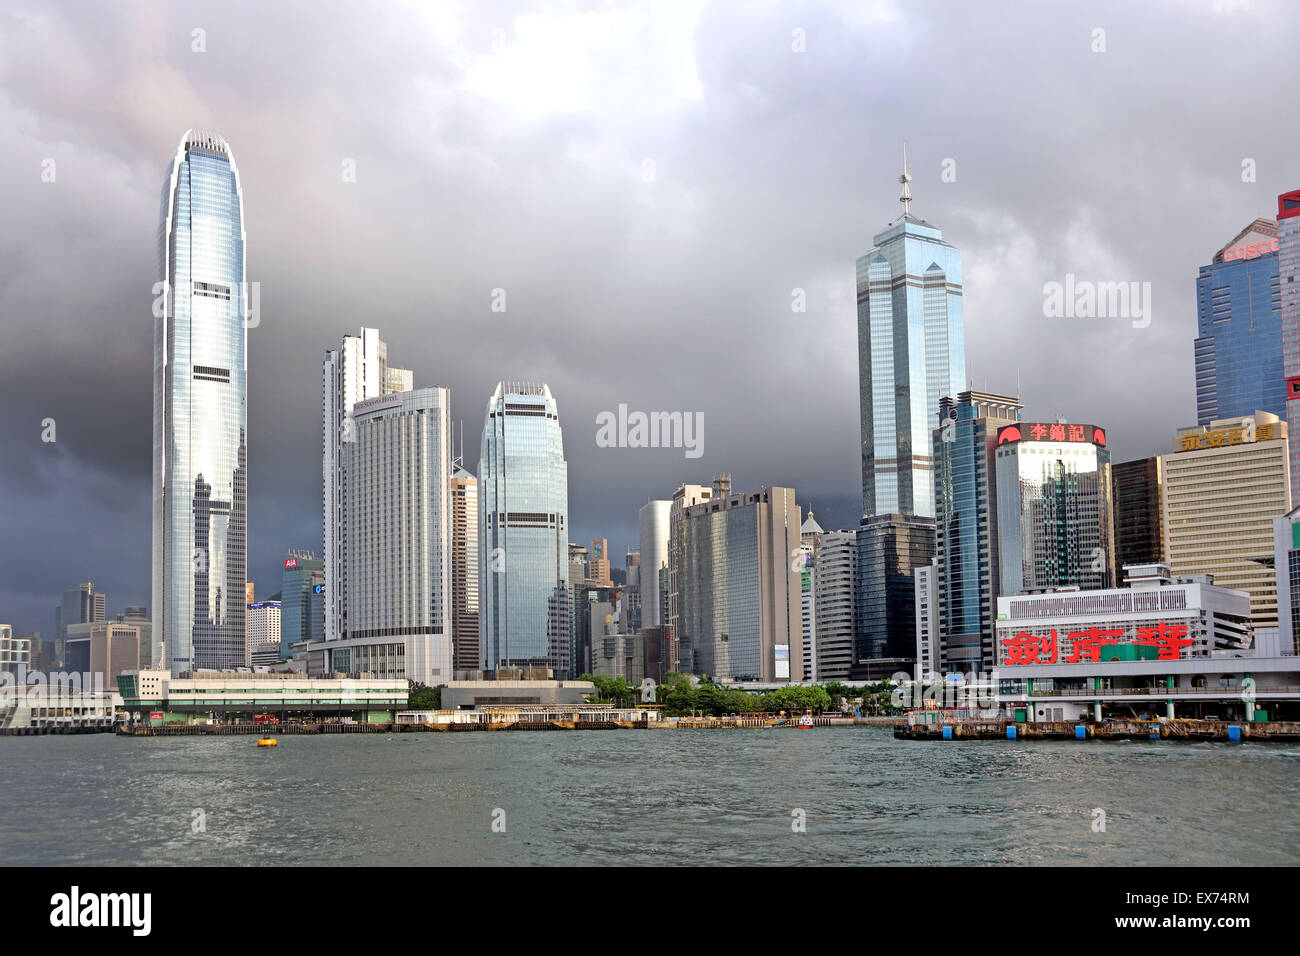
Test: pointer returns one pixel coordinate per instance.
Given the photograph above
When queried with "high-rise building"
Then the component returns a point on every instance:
(302, 604)
(1288, 274)
(890, 549)
(810, 536)
(464, 569)
(200, 417)
(684, 497)
(911, 353)
(264, 619)
(1224, 485)
(598, 562)
(966, 528)
(1054, 507)
(1139, 512)
(399, 557)
(1286, 565)
(835, 597)
(928, 644)
(524, 610)
(355, 371)
(15, 652)
(79, 605)
(652, 532)
(1239, 319)
(740, 597)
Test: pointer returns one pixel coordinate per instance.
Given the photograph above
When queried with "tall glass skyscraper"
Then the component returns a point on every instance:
(1239, 337)
(1288, 269)
(524, 612)
(200, 451)
(911, 353)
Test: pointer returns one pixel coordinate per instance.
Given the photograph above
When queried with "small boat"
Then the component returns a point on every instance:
(805, 722)
(267, 742)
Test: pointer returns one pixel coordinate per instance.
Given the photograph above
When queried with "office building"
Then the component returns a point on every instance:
(810, 534)
(890, 549)
(355, 371)
(684, 497)
(524, 611)
(15, 652)
(1138, 488)
(966, 528)
(464, 569)
(928, 631)
(911, 353)
(264, 618)
(835, 603)
(1239, 319)
(652, 533)
(138, 615)
(1054, 507)
(740, 597)
(598, 562)
(200, 416)
(1288, 272)
(1224, 485)
(79, 605)
(302, 601)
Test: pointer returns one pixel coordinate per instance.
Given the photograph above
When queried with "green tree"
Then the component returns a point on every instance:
(423, 697)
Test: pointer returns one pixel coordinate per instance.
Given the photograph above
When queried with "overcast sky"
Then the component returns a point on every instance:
(648, 183)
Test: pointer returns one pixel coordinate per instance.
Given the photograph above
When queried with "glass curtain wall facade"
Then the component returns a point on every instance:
(200, 454)
(1288, 269)
(966, 527)
(911, 352)
(1239, 318)
(524, 612)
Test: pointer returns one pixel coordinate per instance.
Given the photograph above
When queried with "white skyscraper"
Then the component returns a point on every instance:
(652, 528)
(355, 371)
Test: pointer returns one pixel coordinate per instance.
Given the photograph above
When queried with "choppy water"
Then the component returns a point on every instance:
(667, 797)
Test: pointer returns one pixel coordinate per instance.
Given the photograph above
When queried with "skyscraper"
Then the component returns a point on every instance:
(835, 611)
(966, 528)
(1054, 507)
(464, 569)
(740, 598)
(355, 371)
(683, 498)
(1288, 273)
(652, 531)
(890, 549)
(200, 452)
(1239, 337)
(524, 609)
(1139, 512)
(79, 605)
(911, 352)
(398, 534)
(302, 601)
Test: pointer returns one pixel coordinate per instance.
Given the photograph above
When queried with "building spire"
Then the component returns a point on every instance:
(906, 198)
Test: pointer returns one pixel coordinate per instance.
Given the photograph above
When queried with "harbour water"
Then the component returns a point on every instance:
(679, 797)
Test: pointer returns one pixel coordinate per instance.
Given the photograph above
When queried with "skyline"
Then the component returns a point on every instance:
(679, 274)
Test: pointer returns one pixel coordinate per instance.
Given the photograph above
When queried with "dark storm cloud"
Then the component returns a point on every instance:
(648, 185)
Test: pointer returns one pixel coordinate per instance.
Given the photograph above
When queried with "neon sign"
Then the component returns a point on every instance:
(1051, 431)
(1026, 648)
(290, 563)
(1250, 250)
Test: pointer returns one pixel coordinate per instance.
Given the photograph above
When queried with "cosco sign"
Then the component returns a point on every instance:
(1250, 250)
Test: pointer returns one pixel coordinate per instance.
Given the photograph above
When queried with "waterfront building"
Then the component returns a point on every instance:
(464, 569)
(1054, 507)
(302, 600)
(477, 694)
(810, 534)
(157, 698)
(652, 534)
(200, 417)
(101, 650)
(399, 558)
(740, 597)
(928, 631)
(684, 497)
(353, 372)
(1286, 565)
(966, 528)
(911, 353)
(15, 652)
(525, 618)
(1288, 271)
(619, 655)
(1138, 488)
(264, 619)
(1224, 484)
(890, 549)
(1161, 646)
(1239, 319)
(835, 604)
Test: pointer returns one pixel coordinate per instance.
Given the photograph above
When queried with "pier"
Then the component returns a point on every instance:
(1235, 732)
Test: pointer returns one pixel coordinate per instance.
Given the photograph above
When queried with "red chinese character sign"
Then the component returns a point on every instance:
(1051, 431)
(1088, 645)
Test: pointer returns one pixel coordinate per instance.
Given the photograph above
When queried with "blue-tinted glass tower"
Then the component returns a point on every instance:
(524, 533)
(200, 457)
(1239, 329)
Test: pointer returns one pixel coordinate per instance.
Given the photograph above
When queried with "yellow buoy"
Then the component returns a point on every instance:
(267, 742)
